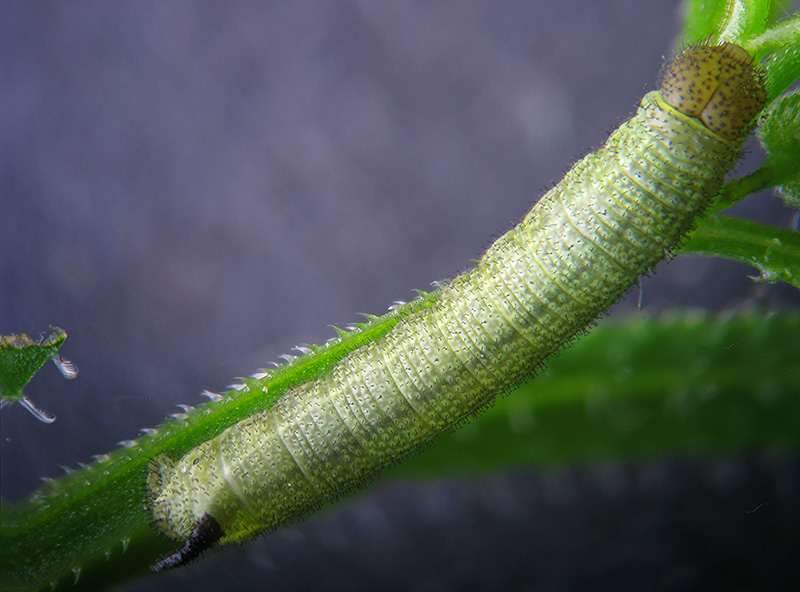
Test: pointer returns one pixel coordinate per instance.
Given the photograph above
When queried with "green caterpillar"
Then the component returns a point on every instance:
(615, 214)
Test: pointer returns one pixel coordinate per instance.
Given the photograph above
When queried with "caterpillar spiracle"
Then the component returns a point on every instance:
(615, 214)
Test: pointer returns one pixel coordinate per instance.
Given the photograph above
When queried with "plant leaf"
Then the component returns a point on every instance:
(703, 19)
(773, 251)
(780, 136)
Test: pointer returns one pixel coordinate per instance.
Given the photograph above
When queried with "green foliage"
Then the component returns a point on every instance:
(780, 136)
(774, 252)
(21, 357)
(633, 388)
(729, 20)
(782, 68)
(702, 19)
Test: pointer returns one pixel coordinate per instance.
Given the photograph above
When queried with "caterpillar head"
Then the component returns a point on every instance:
(718, 84)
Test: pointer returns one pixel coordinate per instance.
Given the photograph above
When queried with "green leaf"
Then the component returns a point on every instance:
(703, 19)
(776, 39)
(780, 136)
(773, 251)
(744, 19)
(727, 20)
(780, 127)
(782, 70)
(20, 358)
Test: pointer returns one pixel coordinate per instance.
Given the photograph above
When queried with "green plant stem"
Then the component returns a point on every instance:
(774, 38)
(735, 190)
(773, 251)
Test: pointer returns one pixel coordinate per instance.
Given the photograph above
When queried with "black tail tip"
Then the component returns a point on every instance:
(204, 535)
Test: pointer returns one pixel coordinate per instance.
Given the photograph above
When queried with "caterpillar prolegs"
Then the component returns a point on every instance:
(615, 214)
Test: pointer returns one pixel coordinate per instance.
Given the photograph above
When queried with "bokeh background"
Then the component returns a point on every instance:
(190, 189)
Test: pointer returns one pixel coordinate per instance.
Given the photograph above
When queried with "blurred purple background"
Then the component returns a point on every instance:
(190, 189)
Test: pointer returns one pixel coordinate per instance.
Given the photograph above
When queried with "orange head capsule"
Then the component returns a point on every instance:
(718, 84)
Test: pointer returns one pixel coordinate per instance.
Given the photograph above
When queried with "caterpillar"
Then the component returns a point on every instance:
(616, 213)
